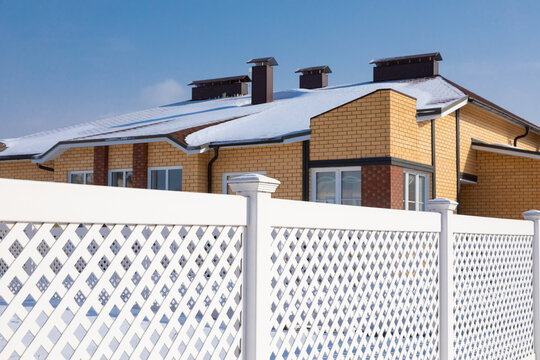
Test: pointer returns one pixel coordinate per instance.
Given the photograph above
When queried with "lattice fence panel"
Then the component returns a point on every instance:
(354, 294)
(493, 296)
(117, 291)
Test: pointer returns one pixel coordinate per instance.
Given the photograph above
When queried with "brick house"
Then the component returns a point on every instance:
(394, 142)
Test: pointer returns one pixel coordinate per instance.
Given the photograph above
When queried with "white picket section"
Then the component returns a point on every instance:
(493, 288)
(90, 272)
(135, 281)
(353, 283)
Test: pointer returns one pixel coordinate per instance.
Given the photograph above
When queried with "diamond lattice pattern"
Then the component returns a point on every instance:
(354, 294)
(493, 294)
(118, 291)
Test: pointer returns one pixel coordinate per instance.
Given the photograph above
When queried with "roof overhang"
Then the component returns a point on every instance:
(505, 150)
(504, 115)
(435, 113)
(17, 157)
(289, 138)
(62, 146)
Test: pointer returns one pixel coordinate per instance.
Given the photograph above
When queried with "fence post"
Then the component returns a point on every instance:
(446, 276)
(256, 265)
(534, 216)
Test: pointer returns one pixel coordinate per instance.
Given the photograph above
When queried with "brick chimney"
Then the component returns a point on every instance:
(406, 67)
(314, 77)
(262, 74)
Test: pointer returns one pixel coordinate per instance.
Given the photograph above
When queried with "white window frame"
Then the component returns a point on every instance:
(337, 171)
(120, 170)
(417, 188)
(82, 172)
(225, 175)
(166, 177)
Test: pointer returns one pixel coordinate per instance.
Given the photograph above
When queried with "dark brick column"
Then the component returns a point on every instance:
(140, 166)
(382, 186)
(101, 165)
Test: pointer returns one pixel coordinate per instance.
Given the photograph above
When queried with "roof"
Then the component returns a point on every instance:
(238, 78)
(324, 68)
(492, 106)
(197, 125)
(267, 60)
(435, 55)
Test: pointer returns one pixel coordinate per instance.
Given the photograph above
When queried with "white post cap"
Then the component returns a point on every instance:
(441, 204)
(253, 183)
(531, 215)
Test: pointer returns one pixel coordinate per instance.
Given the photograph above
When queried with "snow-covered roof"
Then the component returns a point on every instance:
(236, 120)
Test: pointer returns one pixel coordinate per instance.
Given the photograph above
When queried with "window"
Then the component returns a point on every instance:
(165, 178)
(121, 178)
(337, 185)
(81, 177)
(227, 176)
(415, 190)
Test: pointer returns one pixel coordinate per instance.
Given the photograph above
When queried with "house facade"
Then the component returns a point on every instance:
(395, 142)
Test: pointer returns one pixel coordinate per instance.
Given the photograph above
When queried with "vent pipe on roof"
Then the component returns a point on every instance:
(314, 77)
(221, 87)
(406, 67)
(262, 73)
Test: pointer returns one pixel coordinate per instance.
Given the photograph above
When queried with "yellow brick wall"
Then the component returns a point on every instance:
(409, 139)
(445, 157)
(358, 129)
(75, 159)
(282, 162)
(194, 166)
(25, 170)
(120, 157)
(382, 123)
(507, 186)
(479, 124)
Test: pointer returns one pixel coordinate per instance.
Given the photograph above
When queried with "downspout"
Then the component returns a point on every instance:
(305, 170)
(433, 177)
(458, 163)
(46, 168)
(210, 163)
(521, 136)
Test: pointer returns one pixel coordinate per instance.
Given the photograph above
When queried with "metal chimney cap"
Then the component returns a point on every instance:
(434, 56)
(229, 79)
(270, 61)
(324, 69)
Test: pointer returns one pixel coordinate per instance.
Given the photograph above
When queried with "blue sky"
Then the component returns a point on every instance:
(65, 62)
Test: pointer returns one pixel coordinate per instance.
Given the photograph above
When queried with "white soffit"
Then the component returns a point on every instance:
(501, 149)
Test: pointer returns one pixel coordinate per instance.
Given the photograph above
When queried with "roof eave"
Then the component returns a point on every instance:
(281, 139)
(435, 113)
(17, 157)
(504, 115)
(499, 149)
(62, 146)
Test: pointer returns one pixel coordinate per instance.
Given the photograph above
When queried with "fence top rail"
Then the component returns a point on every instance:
(486, 225)
(299, 214)
(36, 201)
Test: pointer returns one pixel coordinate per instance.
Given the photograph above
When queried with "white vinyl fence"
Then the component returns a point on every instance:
(108, 273)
